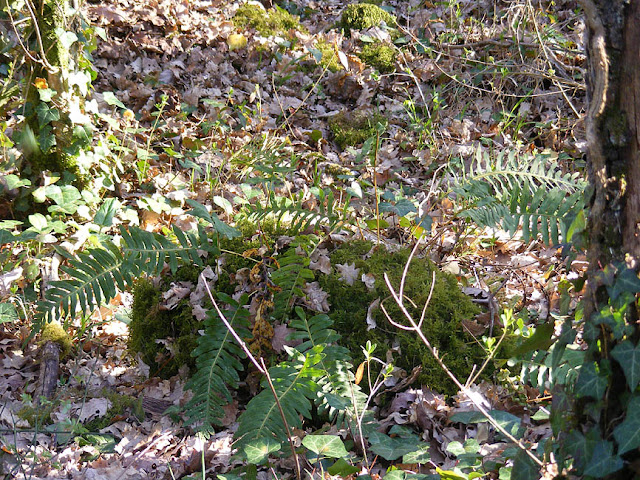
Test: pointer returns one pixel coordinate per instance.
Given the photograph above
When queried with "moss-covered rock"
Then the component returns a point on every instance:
(443, 321)
(353, 128)
(275, 21)
(359, 16)
(380, 56)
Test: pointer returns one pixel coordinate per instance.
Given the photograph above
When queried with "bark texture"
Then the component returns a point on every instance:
(613, 135)
(49, 368)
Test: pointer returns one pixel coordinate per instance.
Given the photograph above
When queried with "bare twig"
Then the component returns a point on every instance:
(260, 365)
(478, 403)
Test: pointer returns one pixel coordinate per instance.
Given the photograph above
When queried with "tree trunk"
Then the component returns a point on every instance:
(54, 137)
(613, 159)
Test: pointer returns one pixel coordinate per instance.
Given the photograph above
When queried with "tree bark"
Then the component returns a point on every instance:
(613, 162)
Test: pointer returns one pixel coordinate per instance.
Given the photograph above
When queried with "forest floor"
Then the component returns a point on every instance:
(224, 108)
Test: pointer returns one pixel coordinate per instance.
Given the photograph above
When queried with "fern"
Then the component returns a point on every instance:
(528, 192)
(94, 274)
(218, 363)
(296, 215)
(337, 383)
(295, 384)
(290, 277)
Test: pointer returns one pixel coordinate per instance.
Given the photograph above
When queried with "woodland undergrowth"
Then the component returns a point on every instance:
(323, 240)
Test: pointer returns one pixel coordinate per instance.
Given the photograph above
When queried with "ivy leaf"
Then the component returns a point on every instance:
(66, 38)
(420, 455)
(524, 468)
(199, 210)
(603, 461)
(8, 313)
(106, 212)
(629, 359)
(626, 281)
(325, 445)
(46, 114)
(111, 99)
(258, 450)
(46, 139)
(342, 468)
(451, 474)
(627, 434)
(390, 448)
(590, 383)
(401, 208)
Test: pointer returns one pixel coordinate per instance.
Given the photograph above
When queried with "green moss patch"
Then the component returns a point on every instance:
(121, 406)
(329, 58)
(353, 128)
(442, 324)
(54, 332)
(275, 21)
(365, 15)
(380, 56)
(150, 323)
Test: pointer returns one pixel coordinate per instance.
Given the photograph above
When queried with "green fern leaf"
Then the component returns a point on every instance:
(296, 389)
(94, 274)
(290, 277)
(218, 362)
(528, 192)
(296, 215)
(338, 390)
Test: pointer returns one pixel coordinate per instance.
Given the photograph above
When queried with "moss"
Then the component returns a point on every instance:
(150, 323)
(54, 332)
(380, 56)
(353, 128)
(275, 21)
(37, 415)
(329, 58)
(442, 324)
(359, 16)
(121, 406)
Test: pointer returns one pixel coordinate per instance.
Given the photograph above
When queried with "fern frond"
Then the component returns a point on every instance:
(296, 388)
(528, 192)
(217, 365)
(296, 215)
(337, 384)
(94, 274)
(290, 277)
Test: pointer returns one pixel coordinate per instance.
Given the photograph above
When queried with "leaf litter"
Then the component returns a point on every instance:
(225, 94)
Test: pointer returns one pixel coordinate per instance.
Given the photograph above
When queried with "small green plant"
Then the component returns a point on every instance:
(353, 128)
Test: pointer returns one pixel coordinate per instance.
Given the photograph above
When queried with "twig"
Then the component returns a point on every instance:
(261, 368)
(470, 394)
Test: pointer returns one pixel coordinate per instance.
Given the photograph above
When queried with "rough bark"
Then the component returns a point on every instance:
(613, 136)
(49, 369)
